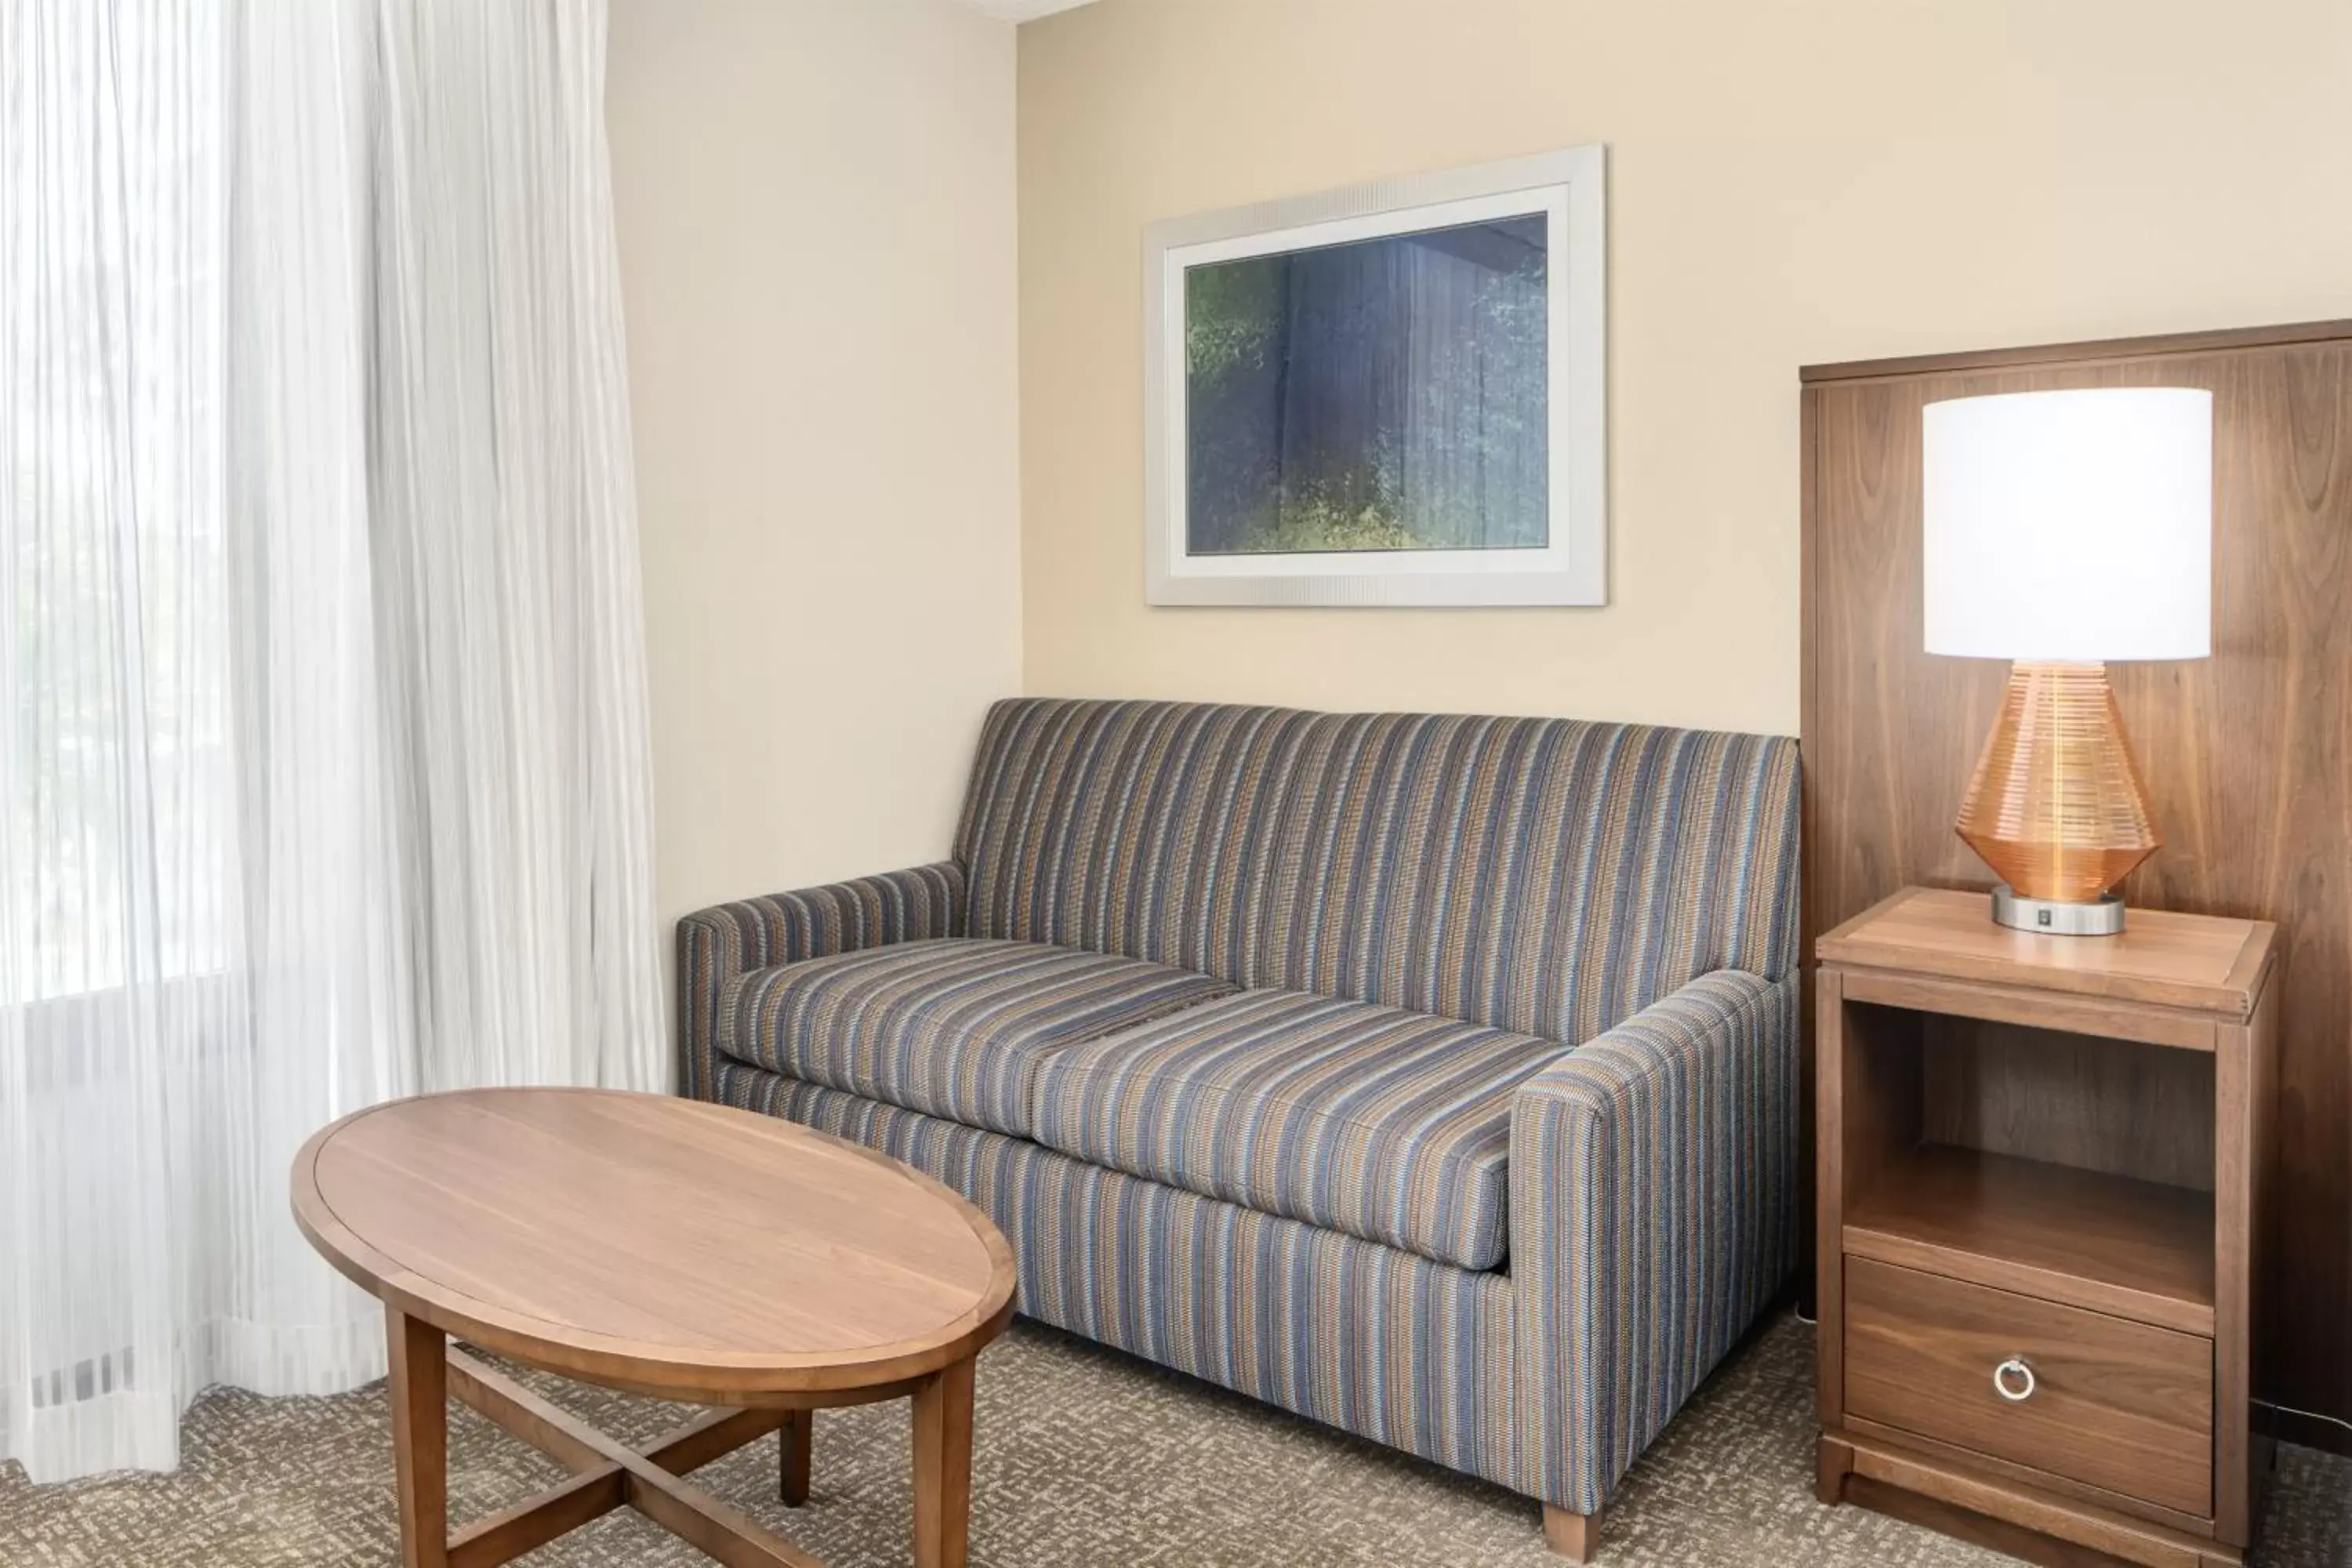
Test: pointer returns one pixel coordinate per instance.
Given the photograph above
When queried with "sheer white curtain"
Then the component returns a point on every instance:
(322, 771)
(507, 547)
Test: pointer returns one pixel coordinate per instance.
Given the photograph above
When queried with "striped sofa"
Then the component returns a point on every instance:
(1433, 1076)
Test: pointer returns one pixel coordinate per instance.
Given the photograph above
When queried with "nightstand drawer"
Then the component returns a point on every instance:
(2110, 1404)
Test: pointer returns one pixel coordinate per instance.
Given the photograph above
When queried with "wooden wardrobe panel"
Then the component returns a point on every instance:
(2248, 755)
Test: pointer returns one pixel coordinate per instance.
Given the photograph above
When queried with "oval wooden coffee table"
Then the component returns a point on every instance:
(664, 1246)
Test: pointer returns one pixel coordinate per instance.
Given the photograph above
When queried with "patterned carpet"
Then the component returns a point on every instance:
(1085, 1460)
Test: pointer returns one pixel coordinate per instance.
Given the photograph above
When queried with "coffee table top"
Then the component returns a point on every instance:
(662, 1245)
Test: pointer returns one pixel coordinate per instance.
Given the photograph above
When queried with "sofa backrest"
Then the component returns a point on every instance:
(1539, 875)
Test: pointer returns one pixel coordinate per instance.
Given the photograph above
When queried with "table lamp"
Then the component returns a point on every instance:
(2062, 531)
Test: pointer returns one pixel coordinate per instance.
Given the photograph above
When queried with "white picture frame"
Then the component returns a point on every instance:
(1569, 566)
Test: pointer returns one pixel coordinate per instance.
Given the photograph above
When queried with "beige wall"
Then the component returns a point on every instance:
(816, 207)
(1795, 182)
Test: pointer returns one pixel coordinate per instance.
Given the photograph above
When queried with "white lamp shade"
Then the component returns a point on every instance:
(2071, 526)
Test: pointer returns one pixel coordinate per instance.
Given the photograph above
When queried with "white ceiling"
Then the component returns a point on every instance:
(1024, 10)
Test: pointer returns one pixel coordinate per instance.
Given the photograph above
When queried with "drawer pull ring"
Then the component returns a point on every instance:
(2013, 1367)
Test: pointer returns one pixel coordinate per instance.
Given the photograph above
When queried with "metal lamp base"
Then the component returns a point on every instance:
(2052, 917)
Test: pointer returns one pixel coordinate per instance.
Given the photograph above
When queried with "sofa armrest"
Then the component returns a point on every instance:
(715, 945)
(1653, 1213)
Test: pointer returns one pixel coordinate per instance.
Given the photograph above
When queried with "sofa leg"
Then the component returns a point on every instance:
(1575, 1536)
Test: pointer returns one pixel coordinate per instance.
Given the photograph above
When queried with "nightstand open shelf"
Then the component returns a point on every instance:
(2039, 1163)
(2142, 1250)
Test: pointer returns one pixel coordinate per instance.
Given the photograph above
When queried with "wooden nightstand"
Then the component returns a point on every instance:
(2042, 1162)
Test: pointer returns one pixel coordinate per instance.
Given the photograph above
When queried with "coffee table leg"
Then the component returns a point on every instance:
(420, 1436)
(795, 1441)
(943, 1467)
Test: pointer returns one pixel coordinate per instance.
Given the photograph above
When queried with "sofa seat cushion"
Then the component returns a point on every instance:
(1387, 1125)
(951, 1027)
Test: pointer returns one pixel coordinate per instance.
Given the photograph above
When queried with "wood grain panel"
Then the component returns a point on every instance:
(2175, 345)
(2118, 1406)
(2047, 1094)
(2247, 755)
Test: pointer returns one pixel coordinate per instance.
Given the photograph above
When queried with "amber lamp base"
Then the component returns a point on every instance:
(2057, 808)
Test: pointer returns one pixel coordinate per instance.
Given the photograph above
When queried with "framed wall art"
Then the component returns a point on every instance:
(1394, 393)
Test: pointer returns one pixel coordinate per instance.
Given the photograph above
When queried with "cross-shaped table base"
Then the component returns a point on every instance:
(607, 1475)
